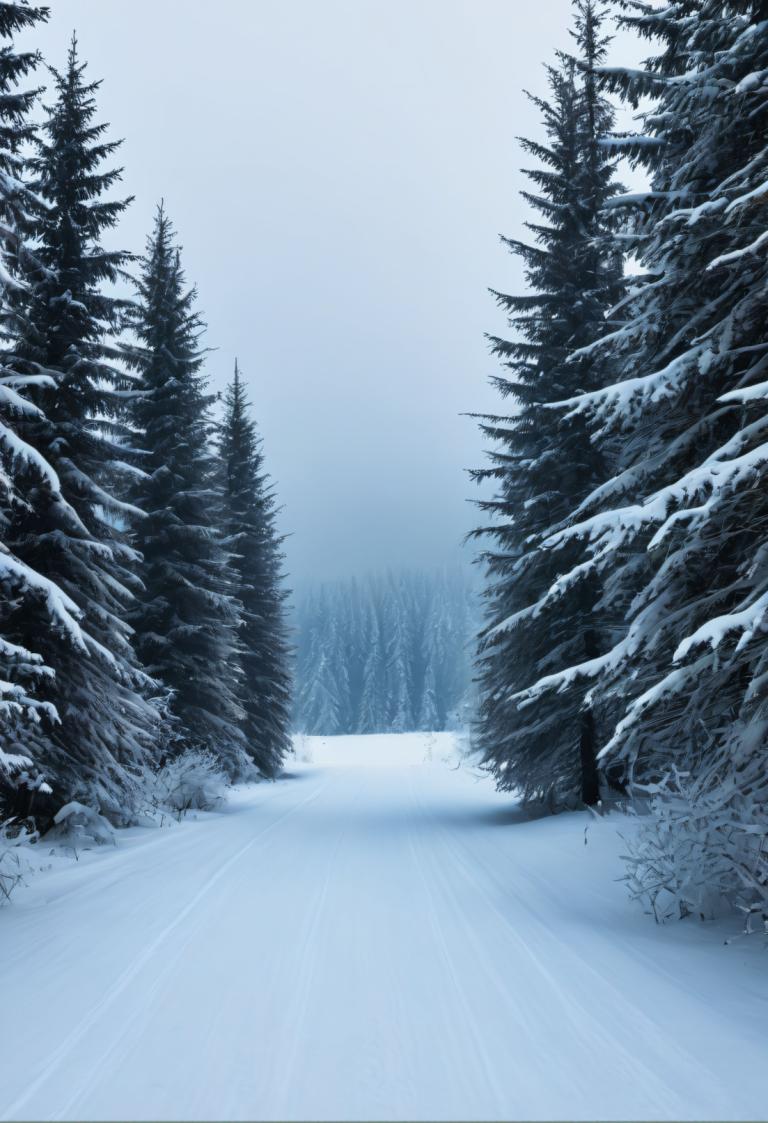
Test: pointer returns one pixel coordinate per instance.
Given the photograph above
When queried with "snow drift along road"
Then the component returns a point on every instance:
(377, 936)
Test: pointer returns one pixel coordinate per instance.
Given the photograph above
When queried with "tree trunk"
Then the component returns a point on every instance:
(590, 777)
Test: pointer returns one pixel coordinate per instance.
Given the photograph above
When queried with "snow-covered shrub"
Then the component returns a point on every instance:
(78, 827)
(193, 781)
(702, 848)
(15, 836)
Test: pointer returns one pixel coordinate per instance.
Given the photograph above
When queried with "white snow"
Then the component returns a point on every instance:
(735, 255)
(379, 935)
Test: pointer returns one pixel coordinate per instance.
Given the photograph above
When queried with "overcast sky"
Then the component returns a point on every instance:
(339, 172)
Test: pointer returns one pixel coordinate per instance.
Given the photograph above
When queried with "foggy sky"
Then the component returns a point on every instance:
(338, 172)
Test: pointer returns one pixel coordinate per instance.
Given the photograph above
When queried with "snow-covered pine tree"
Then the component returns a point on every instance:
(252, 538)
(353, 603)
(445, 631)
(691, 494)
(303, 610)
(323, 700)
(342, 647)
(456, 689)
(16, 131)
(21, 467)
(400, 656)
(371, 707)
(429, 714)
(186, 619)
(69, 530)
(544, 464)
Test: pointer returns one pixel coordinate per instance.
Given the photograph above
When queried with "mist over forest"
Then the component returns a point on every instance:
(386, 654)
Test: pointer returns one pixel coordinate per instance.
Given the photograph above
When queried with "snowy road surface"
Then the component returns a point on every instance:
(377, 937)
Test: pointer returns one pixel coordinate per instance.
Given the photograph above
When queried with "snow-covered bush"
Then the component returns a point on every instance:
(78, 827)
(193, 781)
(702, 849)
(15, 836)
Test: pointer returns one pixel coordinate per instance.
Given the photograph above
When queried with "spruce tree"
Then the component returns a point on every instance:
(252, 538)
(187, 618)
(17, 199)
(21, 466)
(682, 521)
(302, 618)
(353, 620)
(400, 656)
(371, 717)
(445, 630)
(323, 700)
(69, 532)
(543, 463)
(429, 715)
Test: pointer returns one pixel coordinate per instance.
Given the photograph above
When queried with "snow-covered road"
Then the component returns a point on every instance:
(377, 936)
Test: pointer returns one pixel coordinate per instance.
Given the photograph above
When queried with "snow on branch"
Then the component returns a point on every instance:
(713, 632)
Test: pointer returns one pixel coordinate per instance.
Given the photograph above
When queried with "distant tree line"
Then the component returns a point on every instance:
(626, 639)
(142, 611)
(384, 654)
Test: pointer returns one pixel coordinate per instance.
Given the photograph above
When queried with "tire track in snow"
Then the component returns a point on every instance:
(90, 883)
(305, 974)
(574, 1010)
(454, 975)
(520, 949)
(127, 976)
